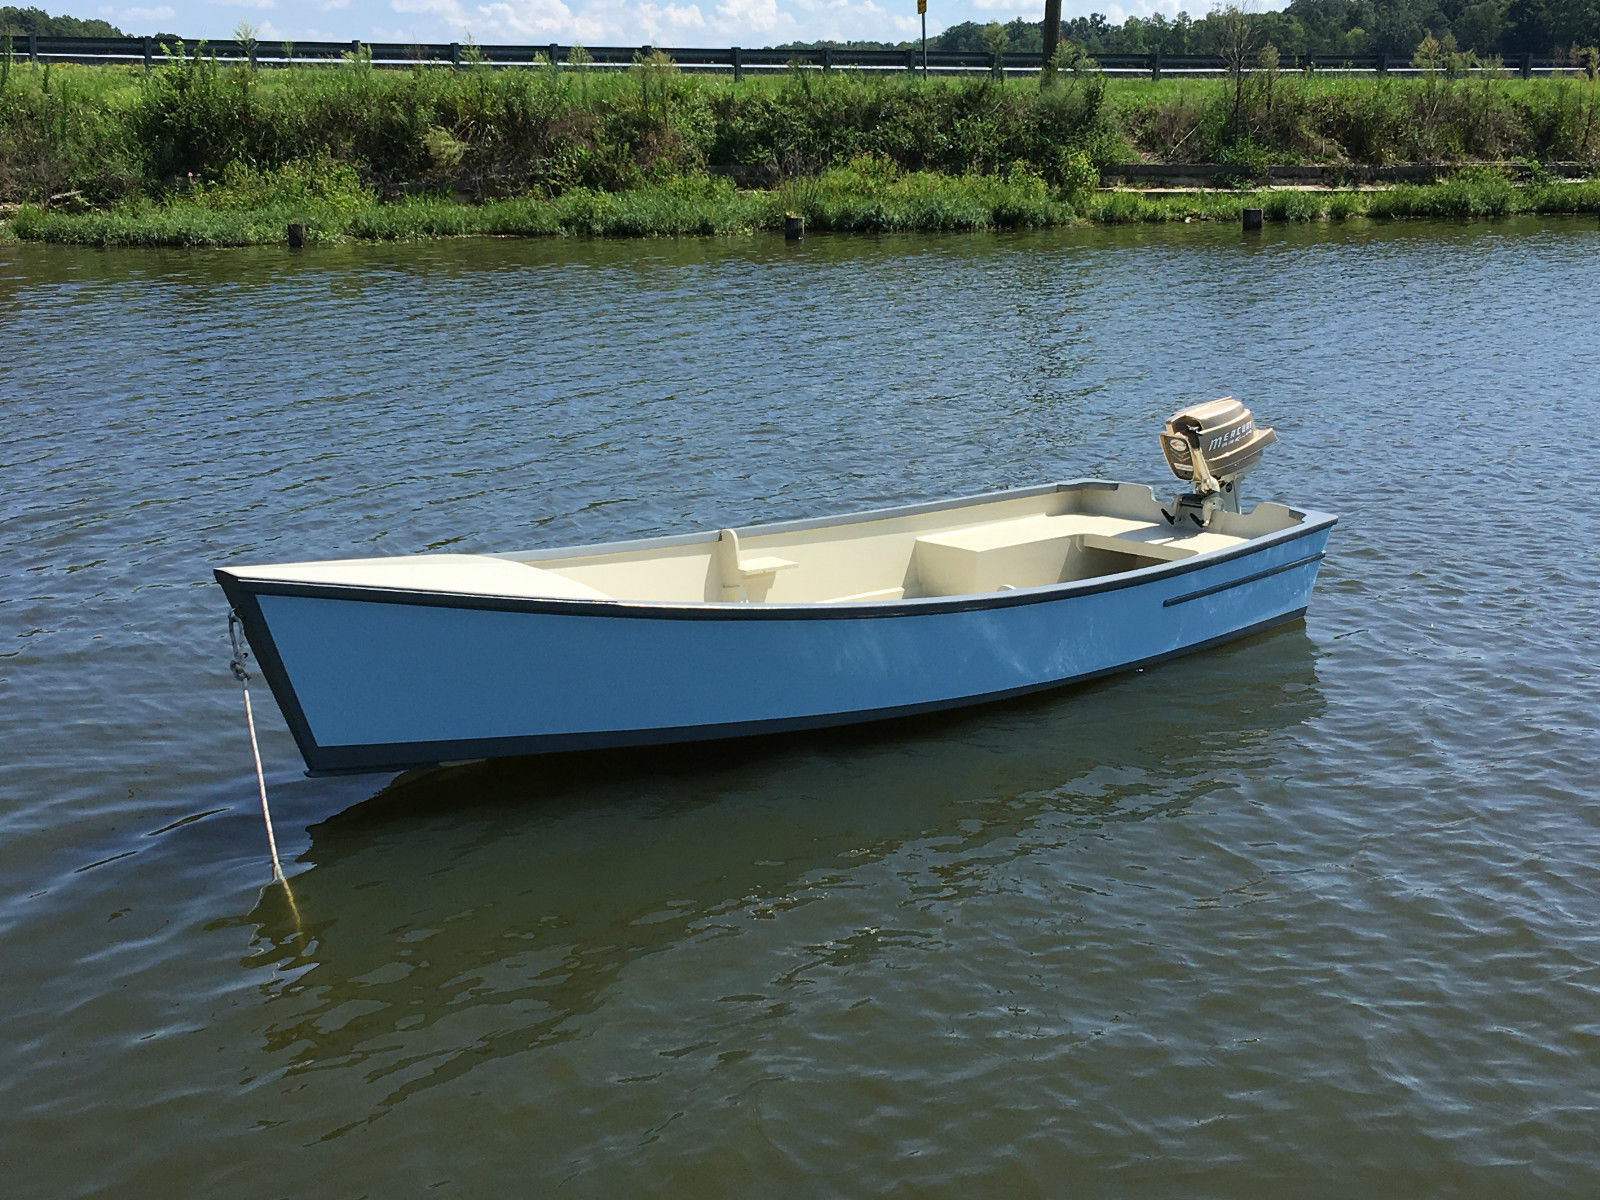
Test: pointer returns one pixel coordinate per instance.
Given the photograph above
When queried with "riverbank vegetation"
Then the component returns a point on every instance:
(866, 195)
(199, 153)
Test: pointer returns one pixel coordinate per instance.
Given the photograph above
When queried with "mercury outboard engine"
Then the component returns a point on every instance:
(1211, 446)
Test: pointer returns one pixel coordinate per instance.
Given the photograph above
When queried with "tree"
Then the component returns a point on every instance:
(19, 22)
(995, 40)
(1527, 28)
(1479, 25)
(1237, 40)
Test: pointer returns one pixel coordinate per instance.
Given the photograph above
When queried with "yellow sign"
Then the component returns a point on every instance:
(922, 6)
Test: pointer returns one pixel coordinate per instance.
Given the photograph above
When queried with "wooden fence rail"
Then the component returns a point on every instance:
(735, 60)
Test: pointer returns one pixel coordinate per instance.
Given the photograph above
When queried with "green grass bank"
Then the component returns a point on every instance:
(862, 197)
(201, 154)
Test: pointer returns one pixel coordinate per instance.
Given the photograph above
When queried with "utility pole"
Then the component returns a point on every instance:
(1052, 39)
(922, 11)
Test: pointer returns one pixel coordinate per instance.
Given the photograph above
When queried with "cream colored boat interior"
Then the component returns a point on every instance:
(1022, 542)
(1029, 539)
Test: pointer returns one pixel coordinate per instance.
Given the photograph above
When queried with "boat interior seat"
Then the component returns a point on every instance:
(1122, 544)
(1037, 551)
(746, 576)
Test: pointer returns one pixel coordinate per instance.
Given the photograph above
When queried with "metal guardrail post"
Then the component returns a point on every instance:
(738, 65)
(33, 47)
(555, 52)
(455, 55)
(1527, 64)
(1155, 66)
(827, 58)
(911, 59)
(355, 49)
(149, 53)
(1383, 64)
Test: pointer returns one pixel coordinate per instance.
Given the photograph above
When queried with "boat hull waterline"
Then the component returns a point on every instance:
(381, 678)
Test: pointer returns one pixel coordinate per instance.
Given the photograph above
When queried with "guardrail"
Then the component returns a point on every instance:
(733, 60)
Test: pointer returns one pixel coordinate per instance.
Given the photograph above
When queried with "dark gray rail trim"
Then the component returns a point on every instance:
(1242, 580)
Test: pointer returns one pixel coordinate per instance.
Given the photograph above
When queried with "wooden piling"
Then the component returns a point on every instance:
(1252, 218)
(297, 236)
(794, 227)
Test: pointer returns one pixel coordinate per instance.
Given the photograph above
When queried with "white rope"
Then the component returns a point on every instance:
(261, 785)
(240, 653)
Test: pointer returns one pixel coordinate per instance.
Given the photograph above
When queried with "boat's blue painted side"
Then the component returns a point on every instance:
(370, 680)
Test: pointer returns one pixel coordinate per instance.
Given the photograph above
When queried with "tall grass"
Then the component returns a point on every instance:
(1295, 117)
(858, 197)
(202, 154)
(113, 133)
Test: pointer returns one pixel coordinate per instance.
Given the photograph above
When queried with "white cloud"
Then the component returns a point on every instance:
(518, 21)
(604, 22)
(667, 22)
(332, 5)
(132, 16)
(847, 20)
(756, 15)
(1144, 9)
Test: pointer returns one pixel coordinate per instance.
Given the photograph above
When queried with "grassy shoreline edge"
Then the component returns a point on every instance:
(861, 198)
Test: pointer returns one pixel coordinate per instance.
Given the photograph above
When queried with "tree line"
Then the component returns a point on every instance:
(20, 22)
(1351, 27)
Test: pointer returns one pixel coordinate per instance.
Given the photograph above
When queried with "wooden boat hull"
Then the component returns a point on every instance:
(376, 679)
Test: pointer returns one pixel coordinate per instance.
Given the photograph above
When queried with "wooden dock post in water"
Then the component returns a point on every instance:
(297, 236)
(794, 227)
(1252, 218)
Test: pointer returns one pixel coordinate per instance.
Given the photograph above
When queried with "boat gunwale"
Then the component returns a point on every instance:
(1310, 522)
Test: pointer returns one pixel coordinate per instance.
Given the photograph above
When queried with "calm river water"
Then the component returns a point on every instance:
(1316, 914)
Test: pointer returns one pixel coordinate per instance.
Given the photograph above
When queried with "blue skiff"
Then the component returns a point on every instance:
(388, 663)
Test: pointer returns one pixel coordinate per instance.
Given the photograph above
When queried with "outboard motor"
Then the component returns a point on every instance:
(1211, 446)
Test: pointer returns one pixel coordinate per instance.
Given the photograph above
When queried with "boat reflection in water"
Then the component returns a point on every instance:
(476, 912)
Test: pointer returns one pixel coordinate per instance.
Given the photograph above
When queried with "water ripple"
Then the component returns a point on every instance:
(1310, 914)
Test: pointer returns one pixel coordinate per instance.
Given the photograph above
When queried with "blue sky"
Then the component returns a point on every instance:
(591, 22)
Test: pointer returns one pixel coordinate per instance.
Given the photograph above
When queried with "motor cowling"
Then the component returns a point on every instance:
(1213, 444)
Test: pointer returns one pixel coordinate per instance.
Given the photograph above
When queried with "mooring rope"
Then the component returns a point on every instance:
(241, 653)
